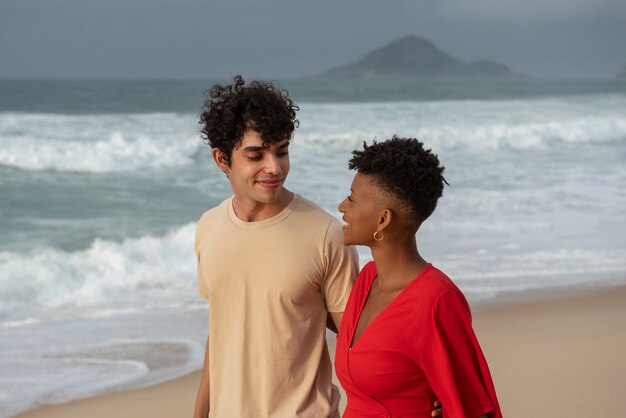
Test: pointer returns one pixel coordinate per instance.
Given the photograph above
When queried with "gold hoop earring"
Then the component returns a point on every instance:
(382, 236)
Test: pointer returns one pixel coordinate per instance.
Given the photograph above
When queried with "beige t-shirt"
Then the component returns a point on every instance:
(270, 285)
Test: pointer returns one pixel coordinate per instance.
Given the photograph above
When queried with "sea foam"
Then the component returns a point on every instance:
(97, 144)
(113, 143)
(141, 272)
(480, 125)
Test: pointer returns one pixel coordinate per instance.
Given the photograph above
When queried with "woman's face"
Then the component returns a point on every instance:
(361, 211)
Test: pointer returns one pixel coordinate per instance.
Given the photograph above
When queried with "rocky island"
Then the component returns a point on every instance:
(414, 57)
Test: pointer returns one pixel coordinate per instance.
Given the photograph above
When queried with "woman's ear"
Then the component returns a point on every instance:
(384, 219)
(220, 160)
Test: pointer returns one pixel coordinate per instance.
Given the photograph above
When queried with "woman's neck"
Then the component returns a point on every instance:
(397, 264)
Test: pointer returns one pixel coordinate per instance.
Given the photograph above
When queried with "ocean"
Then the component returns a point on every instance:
(101, 183)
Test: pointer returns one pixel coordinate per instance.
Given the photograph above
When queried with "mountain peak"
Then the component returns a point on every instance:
(412, 56)
(411, 41)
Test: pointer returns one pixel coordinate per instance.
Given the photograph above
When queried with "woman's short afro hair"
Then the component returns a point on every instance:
(231, 110)
(405, 170)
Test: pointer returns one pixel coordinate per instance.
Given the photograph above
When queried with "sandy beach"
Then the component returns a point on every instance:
(549, 358)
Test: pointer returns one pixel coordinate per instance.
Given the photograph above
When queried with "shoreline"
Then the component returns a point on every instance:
(552, 352)
(555, 293)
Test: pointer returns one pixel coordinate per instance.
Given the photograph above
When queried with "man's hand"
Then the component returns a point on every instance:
(438, 411)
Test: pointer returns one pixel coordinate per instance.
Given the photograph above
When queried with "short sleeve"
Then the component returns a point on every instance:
(454, 363)
(202, 286)
(341, 268)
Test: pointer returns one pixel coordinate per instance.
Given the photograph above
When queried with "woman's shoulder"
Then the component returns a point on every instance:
(366, 275)
(436, 285)
(368, 271)
(369, 268)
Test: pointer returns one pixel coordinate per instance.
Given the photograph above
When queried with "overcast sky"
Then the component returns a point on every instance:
(206, 39)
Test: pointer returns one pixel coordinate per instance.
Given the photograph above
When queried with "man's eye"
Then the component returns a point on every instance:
(255, 158)
(349, 199)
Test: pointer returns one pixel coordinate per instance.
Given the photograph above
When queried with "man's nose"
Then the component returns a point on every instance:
(272, 165)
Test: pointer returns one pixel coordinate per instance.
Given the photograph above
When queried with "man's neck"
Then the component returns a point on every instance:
(253, 211)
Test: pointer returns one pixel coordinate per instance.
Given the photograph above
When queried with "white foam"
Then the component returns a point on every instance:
(489, 125)
(19, 323)
(112, 143)
(527, 136)
(54, 375)
(97, 144)
(134, 274)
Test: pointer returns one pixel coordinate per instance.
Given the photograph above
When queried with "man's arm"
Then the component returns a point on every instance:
(202, 399)
(333, 322)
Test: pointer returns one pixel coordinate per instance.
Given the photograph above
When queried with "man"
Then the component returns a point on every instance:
(272, 265)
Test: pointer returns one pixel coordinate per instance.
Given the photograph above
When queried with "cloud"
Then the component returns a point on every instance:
(534, 10)
(285, 38)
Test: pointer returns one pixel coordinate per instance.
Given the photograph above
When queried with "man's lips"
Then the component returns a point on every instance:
(270, 183)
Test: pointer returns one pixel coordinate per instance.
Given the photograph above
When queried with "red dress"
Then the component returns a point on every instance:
(421, 347)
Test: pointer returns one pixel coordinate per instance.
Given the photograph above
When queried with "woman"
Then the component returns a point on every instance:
(406, 337)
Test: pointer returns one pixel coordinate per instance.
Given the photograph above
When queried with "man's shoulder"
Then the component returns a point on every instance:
(313, 212)
(213, 215)
(315, 220)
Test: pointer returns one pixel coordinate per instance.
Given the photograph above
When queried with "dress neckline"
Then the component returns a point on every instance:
(351, 340)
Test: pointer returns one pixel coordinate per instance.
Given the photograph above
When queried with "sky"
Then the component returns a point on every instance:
(278, 39)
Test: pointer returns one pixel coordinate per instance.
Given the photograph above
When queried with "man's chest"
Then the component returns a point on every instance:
(268, 267)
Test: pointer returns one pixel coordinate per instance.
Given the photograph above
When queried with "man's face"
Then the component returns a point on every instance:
(258, 170)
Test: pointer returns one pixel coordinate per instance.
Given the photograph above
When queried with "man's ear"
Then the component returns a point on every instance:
(220, 160)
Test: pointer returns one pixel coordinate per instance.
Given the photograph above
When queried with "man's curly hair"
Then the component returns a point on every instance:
(406, 171)
(232, 110)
